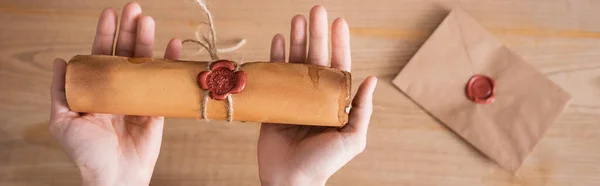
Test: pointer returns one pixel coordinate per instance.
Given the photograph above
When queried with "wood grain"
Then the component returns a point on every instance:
(561, 38)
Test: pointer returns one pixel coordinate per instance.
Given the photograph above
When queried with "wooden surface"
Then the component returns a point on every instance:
(406, 146)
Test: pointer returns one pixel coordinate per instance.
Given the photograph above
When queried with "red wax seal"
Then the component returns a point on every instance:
(481, 89)
(222, 80)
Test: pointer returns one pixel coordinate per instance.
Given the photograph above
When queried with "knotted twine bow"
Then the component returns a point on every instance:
(209, 43)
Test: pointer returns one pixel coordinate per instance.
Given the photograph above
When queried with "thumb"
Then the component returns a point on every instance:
(57, 90)
(58, 105)
(362, 107)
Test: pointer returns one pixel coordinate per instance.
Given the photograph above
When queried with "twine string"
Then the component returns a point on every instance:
(229, 108)
(206, 97)
(210, 45)
(203, 105)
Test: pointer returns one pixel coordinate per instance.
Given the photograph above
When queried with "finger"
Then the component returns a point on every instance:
(105, 33)
(144, 41)
(128, 29)
(298, 40)
(173, 50)
(317, 50)
(340, 45)
(278, 48)
(362, 107)
(57, 90)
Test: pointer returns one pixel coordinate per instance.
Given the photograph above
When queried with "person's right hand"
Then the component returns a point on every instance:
(306, 155)
(111, 149)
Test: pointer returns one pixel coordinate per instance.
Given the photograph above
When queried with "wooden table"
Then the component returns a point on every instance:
(406, 146)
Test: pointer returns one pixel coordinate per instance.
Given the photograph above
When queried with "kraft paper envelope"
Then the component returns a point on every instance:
(526, 102)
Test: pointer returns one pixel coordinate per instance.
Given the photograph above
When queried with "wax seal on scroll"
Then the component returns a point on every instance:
(222, 79)
(481, 89)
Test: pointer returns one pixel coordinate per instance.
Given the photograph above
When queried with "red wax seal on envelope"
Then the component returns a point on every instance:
(481, 89)
(222, 79)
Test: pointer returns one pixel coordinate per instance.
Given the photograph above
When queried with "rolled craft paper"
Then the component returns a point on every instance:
(274, 92)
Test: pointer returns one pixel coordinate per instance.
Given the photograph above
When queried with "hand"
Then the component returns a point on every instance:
(306, 155)
(111, 149)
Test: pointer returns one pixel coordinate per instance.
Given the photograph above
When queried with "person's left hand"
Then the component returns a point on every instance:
(111, 149)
